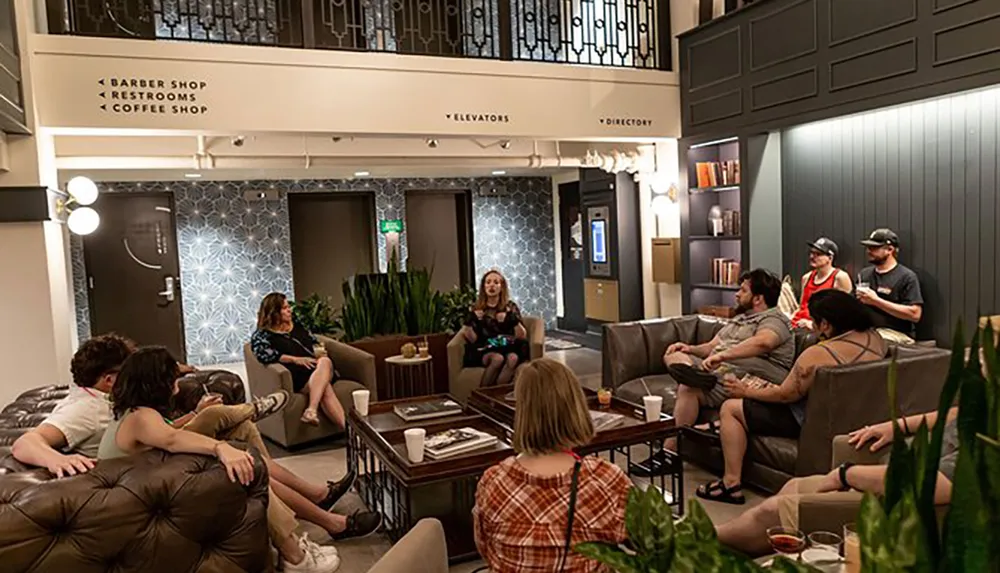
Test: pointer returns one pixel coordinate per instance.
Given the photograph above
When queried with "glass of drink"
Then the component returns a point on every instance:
(852, 548)
(826, 540)
(604, 397)
(786, 540)
(319, 351)
(423, 349)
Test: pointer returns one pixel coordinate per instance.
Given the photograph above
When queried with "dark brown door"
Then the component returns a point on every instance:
(332, 238)
(438, 236)
(133, 271)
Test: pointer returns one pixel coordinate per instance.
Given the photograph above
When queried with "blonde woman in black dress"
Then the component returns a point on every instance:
(496, 337)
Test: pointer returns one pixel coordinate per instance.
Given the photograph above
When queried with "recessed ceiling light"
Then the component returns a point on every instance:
(192, 175)
(361, 174)
(500, 172)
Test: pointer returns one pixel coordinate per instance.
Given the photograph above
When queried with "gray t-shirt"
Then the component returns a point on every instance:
(746, 326)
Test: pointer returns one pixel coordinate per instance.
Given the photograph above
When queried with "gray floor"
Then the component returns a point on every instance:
(359, 555)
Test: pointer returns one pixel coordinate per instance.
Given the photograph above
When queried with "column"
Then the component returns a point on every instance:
(39, 334)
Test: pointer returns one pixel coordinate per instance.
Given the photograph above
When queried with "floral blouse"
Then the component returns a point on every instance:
(268, 346)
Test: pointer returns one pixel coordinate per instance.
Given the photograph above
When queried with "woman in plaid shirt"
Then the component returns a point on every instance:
(522, 503)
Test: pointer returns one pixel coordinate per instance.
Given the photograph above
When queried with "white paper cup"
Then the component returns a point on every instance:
(415, 444)
(361, 398)
(653, 406)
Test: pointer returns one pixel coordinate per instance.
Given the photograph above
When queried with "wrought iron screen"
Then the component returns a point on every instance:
(621, 33)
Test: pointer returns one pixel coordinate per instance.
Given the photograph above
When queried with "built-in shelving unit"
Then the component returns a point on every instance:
(714, 183)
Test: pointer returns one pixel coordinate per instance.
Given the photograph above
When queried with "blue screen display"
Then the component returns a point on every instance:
(599, 241)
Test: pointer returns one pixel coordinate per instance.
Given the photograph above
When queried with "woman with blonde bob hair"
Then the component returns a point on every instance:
(532, 507)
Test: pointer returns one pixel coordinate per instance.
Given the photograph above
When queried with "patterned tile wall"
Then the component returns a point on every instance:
(233, 251)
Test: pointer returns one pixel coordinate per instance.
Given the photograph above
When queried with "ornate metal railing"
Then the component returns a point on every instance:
(622, 33)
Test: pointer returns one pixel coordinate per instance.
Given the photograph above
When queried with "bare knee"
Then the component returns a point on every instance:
(324, 363)
(732, 409)
(685, 392)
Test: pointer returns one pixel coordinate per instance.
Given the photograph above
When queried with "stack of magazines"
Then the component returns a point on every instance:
(458, 441)
(428, 410)
(605, 420)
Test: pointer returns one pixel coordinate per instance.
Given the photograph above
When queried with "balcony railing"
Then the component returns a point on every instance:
(620, 33)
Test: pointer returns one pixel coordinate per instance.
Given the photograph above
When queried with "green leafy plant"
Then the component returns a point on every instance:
(455, 305)
(657, 544)
(390, 303)
(900, 531)
(315, 313)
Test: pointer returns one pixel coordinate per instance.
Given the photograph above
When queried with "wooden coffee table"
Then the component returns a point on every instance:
(610, 443)
(405, 492)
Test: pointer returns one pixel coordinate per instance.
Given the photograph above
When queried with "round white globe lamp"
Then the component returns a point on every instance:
(83, 221)
(83, 190)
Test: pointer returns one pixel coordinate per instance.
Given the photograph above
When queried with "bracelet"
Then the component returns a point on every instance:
(844, 486)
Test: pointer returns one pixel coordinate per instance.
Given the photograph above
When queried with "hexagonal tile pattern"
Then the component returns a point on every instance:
(233, 251)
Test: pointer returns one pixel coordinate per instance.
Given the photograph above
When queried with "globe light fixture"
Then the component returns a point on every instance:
(661, 204)
(82, 189)
(83, 221)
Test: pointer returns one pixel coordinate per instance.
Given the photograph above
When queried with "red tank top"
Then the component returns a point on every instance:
(808, 290)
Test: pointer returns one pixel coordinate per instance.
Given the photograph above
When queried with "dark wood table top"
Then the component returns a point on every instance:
(494, 402)
(382, 431)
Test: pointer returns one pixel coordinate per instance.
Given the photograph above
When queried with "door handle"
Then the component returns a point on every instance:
(168, 289)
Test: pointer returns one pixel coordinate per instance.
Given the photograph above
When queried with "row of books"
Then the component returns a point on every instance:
(717, 173)
(725, 271)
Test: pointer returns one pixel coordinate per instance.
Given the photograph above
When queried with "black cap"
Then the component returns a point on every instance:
(825, 246)
(881, 238)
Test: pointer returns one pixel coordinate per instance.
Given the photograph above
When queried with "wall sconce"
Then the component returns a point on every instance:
(82, 220)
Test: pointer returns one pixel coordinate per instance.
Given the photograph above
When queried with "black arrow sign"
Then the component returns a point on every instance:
(104, 106)
(101, 81)
(448, 115)
(101, 94)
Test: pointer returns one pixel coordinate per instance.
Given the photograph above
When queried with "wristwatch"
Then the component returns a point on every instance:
(844, 486)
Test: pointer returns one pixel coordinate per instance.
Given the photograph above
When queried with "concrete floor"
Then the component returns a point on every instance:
(328, 462)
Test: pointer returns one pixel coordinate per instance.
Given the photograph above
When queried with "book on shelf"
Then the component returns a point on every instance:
(717, 173)
(731, 222)
(427, 410)
(605, 420)
(725, 271)
(456, 441)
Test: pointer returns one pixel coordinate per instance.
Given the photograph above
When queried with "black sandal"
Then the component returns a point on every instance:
(692, 376)
(717, 491)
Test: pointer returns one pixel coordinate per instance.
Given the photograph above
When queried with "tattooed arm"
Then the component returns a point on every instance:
(795, 386)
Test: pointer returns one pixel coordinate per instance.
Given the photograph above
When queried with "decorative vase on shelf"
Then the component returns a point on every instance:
(715, 220)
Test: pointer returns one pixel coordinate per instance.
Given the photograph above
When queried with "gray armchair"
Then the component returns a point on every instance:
(462, 381)
(422, 550)
(357, 370)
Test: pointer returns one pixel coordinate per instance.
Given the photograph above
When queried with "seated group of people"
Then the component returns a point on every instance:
(122, 402)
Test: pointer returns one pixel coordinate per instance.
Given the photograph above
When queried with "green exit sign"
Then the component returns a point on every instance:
(391, 225)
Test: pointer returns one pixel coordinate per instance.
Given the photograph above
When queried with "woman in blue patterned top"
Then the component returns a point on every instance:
(278, 340)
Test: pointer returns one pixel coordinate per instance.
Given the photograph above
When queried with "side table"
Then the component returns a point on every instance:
(409, 377)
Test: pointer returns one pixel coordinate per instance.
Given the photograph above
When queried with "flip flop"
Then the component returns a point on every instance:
(310, 416)
(717, 491)
(692, 376)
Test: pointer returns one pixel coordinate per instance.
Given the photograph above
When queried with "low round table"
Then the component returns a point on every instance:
(409, 377)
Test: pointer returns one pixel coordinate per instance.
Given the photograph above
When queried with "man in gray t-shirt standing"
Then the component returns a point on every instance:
(759, 341)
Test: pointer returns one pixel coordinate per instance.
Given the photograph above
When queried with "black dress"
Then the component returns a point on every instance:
(495, 337)
(268, 347)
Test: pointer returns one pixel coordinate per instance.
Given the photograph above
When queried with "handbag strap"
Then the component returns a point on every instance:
(574, 482)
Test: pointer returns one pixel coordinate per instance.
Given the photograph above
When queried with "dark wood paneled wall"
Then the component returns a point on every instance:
(778, 63)
(11, 101)
(927, 170)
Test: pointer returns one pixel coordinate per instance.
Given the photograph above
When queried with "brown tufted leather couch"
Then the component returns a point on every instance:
(153, 512)
(843, 398)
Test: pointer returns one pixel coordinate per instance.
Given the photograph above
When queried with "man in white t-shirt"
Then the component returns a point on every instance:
(66, 442)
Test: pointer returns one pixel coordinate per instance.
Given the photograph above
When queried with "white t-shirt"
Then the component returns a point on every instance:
(82, 417)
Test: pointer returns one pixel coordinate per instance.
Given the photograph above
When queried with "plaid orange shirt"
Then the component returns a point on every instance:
(521, 518)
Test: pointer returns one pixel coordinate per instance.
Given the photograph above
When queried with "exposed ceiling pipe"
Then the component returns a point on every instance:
(202, 154)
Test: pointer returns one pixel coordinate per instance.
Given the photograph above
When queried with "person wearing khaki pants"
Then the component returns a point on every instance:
(293, 496)
(828, 502)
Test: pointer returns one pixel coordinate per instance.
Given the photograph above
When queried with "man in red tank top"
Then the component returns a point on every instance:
(823, 275)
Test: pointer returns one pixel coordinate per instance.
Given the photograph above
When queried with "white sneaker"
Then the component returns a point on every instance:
(318, 559)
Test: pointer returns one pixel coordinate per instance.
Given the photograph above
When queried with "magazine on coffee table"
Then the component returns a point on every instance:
(457, 441)
(605, 420)
(427, 410)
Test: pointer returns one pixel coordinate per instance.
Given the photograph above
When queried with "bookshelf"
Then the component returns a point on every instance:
(713, 222)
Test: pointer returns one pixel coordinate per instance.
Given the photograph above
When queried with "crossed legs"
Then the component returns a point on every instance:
(321, 395)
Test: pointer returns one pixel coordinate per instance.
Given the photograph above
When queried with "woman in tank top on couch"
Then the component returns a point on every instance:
(823, 275)
(847, 336)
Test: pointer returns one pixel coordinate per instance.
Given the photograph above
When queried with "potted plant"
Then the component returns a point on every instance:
(315, 313)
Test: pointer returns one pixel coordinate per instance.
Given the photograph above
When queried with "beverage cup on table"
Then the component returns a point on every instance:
(415, 444)
(361, 398)
(653, 404)
(423, 350)
(852, 549)
(319, 351)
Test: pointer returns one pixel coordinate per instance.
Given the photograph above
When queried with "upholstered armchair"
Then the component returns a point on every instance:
(357, 370)
(462, 381)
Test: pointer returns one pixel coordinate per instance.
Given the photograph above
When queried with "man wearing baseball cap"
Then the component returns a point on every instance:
(823, 275)
(890, 290)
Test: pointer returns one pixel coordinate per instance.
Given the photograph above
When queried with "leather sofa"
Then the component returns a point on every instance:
(357, 369)
(142, 513)
(843, 398)
(462, 381)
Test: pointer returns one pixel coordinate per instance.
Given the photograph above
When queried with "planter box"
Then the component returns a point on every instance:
(385, 346)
